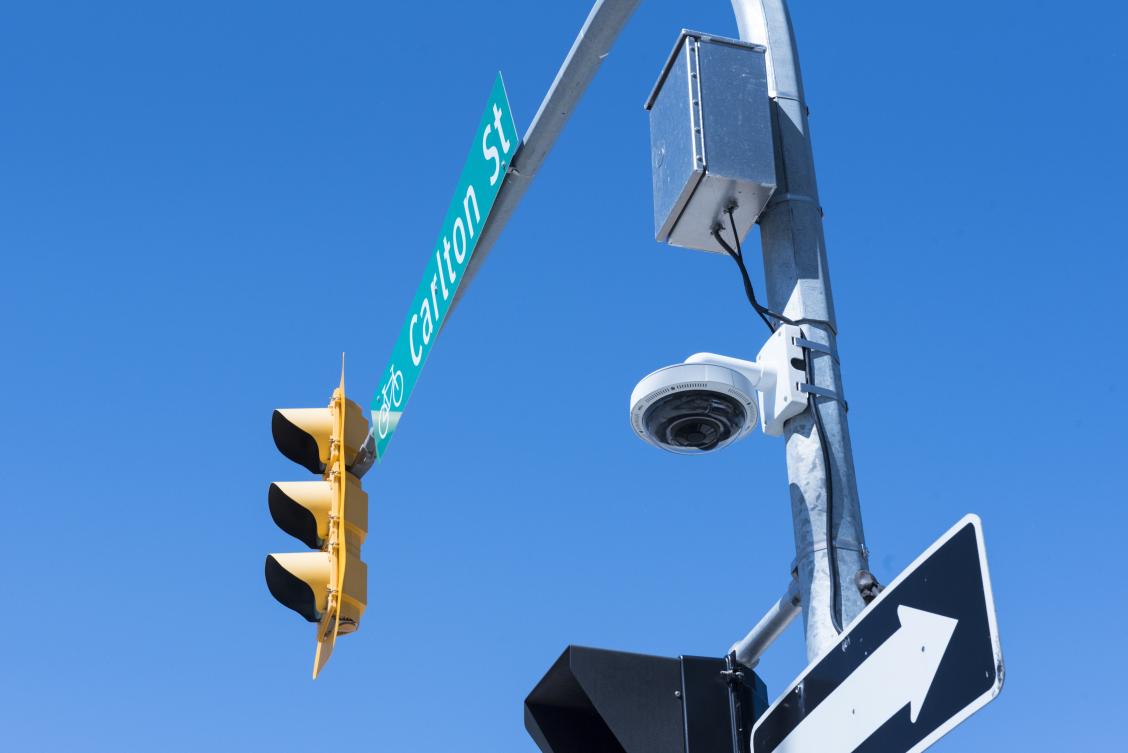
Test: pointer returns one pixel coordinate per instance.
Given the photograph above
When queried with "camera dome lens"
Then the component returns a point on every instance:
(695, 431)
(694, 420)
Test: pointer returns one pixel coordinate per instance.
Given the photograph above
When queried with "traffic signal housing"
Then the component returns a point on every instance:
(329, 585)
(597, 701)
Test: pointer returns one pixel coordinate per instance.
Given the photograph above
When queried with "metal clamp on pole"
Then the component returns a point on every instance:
(822, 392)
(820, 347)
(783, 198)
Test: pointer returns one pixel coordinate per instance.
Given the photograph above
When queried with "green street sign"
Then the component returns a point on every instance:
(495, 143)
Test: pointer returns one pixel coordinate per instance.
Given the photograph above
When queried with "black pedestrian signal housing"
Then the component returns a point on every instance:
(598, 701)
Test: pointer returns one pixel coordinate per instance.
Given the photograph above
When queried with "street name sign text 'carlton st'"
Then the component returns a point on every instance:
(919, 660)
(495, 143)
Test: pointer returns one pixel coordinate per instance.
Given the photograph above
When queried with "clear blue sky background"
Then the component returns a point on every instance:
(183, 185)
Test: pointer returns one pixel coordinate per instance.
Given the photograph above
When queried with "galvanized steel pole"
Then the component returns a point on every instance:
(798, 285)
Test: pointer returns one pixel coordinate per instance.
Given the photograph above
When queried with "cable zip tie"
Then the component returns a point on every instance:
(812, 345)
(821, 392)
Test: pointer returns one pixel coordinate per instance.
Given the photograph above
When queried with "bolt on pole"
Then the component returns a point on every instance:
(798, 285)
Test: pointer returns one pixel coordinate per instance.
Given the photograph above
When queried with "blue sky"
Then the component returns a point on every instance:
(183, 188)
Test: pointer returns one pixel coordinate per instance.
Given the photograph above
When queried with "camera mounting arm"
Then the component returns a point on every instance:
(778, 374)
(756, 375)
(709, 401)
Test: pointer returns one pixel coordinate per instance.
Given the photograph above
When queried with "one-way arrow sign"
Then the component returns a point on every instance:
(919, 660)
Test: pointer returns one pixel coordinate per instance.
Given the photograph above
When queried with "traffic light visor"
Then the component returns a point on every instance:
(300, 581)
(302, 435)
(301, 509)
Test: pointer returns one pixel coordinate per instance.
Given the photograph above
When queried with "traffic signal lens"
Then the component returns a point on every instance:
(302, 435)
(300, 582)
(301, 509)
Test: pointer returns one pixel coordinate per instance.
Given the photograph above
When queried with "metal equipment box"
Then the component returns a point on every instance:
(710, 141)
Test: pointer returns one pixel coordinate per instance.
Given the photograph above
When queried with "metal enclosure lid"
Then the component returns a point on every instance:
(711, 140)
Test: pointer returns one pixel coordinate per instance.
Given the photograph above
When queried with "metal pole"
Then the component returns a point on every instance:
(599, 32)
(751, 647)
(798, 285)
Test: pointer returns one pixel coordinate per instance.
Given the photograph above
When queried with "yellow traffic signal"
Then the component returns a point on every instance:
(328, 586)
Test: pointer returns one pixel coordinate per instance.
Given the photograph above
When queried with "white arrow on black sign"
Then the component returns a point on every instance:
(867, 700)
(919, 660)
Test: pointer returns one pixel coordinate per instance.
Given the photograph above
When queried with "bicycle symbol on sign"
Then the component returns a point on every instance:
(392, 394)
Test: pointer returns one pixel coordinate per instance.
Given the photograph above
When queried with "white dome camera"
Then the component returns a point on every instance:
(692, 408)
(710, 401)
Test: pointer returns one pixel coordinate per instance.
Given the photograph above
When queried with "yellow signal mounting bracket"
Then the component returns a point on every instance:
(336, 543)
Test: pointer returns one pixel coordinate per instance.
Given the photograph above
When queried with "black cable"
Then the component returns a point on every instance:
(831, 553)
(749, 292)
(737, 256)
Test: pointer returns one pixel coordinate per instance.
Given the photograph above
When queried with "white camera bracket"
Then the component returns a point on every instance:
(781, 394)
(778, 375)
